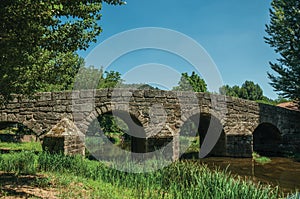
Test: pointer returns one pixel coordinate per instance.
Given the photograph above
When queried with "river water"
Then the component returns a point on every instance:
(283, 172)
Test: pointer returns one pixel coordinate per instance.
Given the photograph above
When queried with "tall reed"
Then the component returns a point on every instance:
(180, 179)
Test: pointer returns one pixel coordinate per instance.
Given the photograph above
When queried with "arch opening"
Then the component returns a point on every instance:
(266, 140)
(194, 131)
(16, 132)
(113, 132)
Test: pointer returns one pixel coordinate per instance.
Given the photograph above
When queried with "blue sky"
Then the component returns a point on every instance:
(230, 31)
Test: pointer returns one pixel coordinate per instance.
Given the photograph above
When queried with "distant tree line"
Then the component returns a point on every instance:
(249, 90)
(96, 78)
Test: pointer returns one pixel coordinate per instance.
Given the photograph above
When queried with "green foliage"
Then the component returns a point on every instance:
(107, 123)
(189, 136)
(54, 73)
(104, 131)
(191, 83)
(94, 78)
(139, 86)
(43, 71)
(249, 90)
(91, 78)
(260, 159)
(19, 163)
(192, 142)
(111, 79)
(39, 39)
(88, 78)
(15, 129)
(284, 37)
(269, 101)
(178, 180)
(230, 91)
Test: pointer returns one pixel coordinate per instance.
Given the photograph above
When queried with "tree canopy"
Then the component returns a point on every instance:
(249, 90)
(284, 37)
(191, 83)
(39, 40)
(94, 78)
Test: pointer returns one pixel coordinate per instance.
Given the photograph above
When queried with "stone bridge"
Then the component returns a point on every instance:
(156, 117)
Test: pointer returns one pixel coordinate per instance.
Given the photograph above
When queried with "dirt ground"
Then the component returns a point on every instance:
(25, 186)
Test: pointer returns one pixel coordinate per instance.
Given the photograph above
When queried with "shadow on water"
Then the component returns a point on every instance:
(283, 172)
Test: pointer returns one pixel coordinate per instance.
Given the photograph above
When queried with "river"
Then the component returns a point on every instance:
(280, 171)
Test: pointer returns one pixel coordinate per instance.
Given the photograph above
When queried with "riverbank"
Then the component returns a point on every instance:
(282, 172)
(182, 179)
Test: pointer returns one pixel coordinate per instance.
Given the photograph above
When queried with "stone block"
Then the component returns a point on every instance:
(238, 145)
(87, 94)
(47, 96)
(65, 138)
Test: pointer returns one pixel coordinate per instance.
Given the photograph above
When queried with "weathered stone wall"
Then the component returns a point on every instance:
(64, 138)
(241, 120)
(288, 124)
(38, 114)
(68, 145)
(160, 113)
(17, 138)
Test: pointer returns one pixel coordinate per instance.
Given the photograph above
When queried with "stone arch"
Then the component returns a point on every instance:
(186, 115)
(24, 119)
(14, 131)
(202, 121)
(108, 109)
(135, 126)
(266, 139)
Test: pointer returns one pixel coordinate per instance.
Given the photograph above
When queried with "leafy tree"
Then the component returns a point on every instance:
(112, 124)
(230, 91)
(88, 78)
(267, 100)
(284, 36)
(111, 79)
(55, 74)
(39, 39)
(191, 83)
(249, 91)
(94, 78)
(107, 123)
(91, 78)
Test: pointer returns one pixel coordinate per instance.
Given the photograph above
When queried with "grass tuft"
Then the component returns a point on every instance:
(181, 179)
(26, 146)
(260, 159)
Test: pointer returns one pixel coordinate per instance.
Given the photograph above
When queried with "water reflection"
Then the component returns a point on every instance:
(283, 172)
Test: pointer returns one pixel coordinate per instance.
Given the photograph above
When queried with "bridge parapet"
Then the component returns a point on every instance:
(161, 114)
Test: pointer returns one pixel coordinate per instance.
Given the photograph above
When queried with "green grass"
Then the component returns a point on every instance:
(260, 159)
(71, 186)
(192, 142)
(9, 130)
(115, 137)
(181, 179)
(26, 146)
